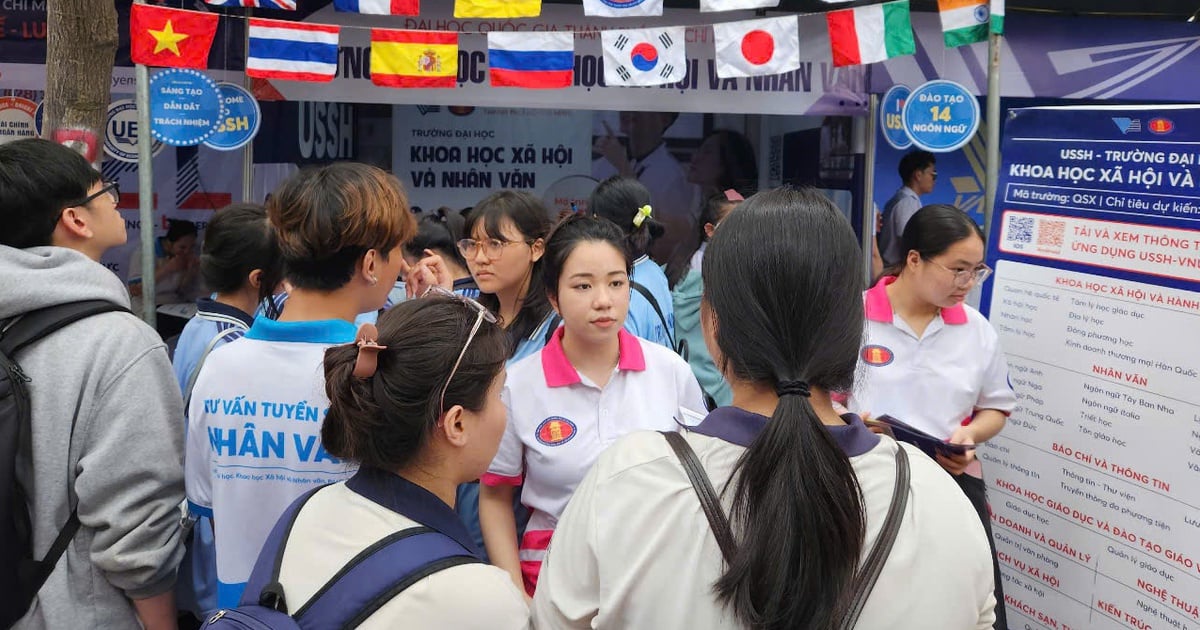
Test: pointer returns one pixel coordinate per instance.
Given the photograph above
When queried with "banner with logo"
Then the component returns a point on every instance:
(1096, 299)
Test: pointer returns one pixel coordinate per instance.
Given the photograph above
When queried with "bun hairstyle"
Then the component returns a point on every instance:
(619, 200)
(528, 214)
(238, 241)
(797, 508)
(934, 229)
(384, 420)
(571, 231)
(327, 218)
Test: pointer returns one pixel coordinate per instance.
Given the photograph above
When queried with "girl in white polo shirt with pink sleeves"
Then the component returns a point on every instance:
(592, 383)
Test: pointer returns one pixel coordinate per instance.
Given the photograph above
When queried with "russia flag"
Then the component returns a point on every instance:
(295, 51)
(531, 60)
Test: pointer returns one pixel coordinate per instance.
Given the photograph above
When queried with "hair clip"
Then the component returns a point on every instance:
(733, 195)
(643, 213)
(368, 351)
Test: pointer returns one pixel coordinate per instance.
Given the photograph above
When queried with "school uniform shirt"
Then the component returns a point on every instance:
(254, 437)
(215, 324)
(342, 520)
(642, 319)
(634, 549)
(934, 382)
(559, 422)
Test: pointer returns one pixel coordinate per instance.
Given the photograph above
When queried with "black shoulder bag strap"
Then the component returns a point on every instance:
(864, 580)
(704, 490)
(641, 288)
(18, 334)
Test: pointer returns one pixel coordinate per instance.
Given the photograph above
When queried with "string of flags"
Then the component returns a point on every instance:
(303, 51)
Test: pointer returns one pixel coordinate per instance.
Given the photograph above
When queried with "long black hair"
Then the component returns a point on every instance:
(782, 279)
(933, 230)
(528, 214)
(237, 241)
(619, 200)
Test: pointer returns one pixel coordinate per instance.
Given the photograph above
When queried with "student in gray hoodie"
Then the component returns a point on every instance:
(109, 376)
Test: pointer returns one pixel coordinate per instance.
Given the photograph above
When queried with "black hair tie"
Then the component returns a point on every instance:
(792, 388)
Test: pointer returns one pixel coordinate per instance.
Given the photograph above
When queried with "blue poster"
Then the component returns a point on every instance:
(891, 116)
(941, 116)
(1095, 298)
(240, 122)
(185, 107)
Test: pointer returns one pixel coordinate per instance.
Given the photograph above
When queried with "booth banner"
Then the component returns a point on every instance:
(816, 87)
(1059, 57)
(1096, 297)
(455, 156)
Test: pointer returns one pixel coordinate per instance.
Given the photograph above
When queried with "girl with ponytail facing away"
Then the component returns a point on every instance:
(805, 490)
(416, 405)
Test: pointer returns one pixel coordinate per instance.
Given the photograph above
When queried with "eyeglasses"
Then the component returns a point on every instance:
(483, 315)
(966, 277)
(111, 188)
(492, 247)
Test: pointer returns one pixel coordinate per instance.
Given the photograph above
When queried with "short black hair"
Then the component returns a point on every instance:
(914, 161)
(238, 241)
(179, 229)
(936, 228)
(570, 232)
(38, 178)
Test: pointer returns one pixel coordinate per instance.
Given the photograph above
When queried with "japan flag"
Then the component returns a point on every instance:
(639, 57)
(757, 47)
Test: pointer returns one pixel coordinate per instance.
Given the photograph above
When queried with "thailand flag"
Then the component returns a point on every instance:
(531, 60)
(379, 7)
(282, 5)
(295, 51)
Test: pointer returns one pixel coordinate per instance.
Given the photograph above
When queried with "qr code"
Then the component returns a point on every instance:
(1020, 229)
(1050, 233)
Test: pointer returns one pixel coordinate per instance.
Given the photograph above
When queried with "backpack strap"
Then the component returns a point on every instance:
(555, 320)
(641, 288)
(35, 325)
(16, 335)
(709, 500)
(263, 587)
(864, 580)
(212, 344)
(379, 573)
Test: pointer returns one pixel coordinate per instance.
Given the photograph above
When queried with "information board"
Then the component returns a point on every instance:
(1095, 482)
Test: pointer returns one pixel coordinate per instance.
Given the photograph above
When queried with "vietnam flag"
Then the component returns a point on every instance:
(170, 37)
(414, 59)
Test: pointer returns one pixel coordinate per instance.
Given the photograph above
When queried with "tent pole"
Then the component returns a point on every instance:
(248, 150)
(146, 193)
(992, 168)
(868, 200)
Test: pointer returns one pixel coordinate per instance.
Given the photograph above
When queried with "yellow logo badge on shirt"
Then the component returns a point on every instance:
(555, 431)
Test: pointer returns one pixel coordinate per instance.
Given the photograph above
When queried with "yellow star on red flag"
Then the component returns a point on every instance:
(167, 39)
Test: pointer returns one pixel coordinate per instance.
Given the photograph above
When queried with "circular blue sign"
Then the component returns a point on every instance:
(185, 107)
(38, 116)
(240, 122)
(891, 116)
(941, 116)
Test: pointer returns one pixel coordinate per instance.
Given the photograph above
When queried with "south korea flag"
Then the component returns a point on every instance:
(639, 57)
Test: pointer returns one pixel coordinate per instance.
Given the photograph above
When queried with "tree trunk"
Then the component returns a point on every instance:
(81, 46)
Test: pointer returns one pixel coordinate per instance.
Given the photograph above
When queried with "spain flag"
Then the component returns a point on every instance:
(414, 59)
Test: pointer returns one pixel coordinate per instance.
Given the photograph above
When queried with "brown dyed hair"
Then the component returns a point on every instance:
(384, 420)
(326, 219)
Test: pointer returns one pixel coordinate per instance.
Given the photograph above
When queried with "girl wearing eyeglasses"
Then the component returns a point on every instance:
(593, 383)
(930, 360)
(416, 406)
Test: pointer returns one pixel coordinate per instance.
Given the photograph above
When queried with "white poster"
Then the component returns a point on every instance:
(456, 156)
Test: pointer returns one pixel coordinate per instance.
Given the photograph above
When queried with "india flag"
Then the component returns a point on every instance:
(868, 34)
(963, 21)
(998, 17)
